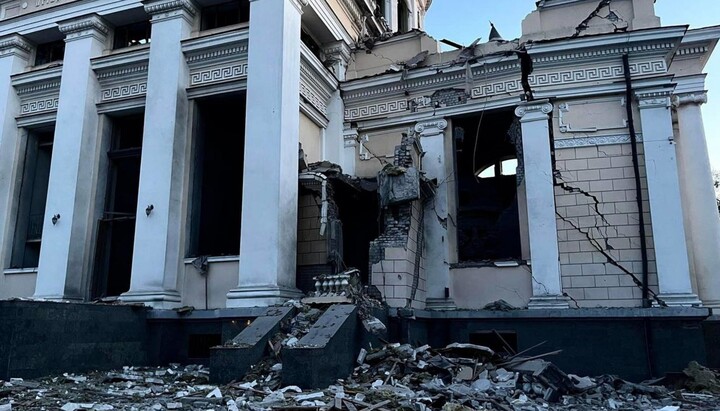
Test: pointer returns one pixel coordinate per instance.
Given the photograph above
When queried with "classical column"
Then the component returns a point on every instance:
(542, 226)
(338, 54)
(698, 197)
(664, 195)
(159, 247)
(65, 255)
(14, 55)
(437, 244)
(268, 236)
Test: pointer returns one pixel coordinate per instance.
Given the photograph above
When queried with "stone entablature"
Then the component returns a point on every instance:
(561, 65)
(122, 76)
(38, 90)
(218, 58)
(316, 83)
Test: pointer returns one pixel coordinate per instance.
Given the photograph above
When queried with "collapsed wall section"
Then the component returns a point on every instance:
(396, 256)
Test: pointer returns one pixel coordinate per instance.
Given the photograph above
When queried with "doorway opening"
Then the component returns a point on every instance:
(219, 146)
(116, 228)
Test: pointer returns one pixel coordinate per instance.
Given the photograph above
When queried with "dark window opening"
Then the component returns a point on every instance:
(134, 34)
(359, 213)
(311, 44)
(225, 14)
(403, 17)
(218, 170)
(199, 344)
(33, 195)
(50, 52)
(116, 228)
(488, 221)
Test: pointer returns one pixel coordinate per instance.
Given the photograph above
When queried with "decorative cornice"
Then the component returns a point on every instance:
(688, 51)
(123, 91)
(38, 87)
(352, 10)
(123, 71)
(167, 9)
(689, 98)
(377, 109)
(541, 107)
(38, 106)
(15, 44)
(86, 26)
(594, 141)
(431, 127)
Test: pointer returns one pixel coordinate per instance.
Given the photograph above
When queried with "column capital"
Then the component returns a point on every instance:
(534, 110)
(653, 99)
(431, 127)
(15, 44)
(698, 98)
(90, 25)
(170, 9)
(338, 50)
(350, 136)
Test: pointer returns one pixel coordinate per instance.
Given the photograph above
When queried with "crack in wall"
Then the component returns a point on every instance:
(610, 259)
(595, 13)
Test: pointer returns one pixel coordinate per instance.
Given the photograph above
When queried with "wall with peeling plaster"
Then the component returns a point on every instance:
(475, 287)
(380, 145)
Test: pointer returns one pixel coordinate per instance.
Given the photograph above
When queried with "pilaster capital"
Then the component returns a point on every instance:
(534, 110)
(653, 99)
(337, 50)
(15, 45)
(431, 127)
(350, 137)
(171, 9)
(698, 98)
(90, 25)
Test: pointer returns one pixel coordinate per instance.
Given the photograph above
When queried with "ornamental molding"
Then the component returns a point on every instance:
(595, 141)
(170, 9)
(338, 50)
(15, 44)
(218, 53)
(123, 72)
(689, 98)
(602, 52)
(439, 81)
(654, 99)
(352, 9)
(692, 50)
(312, 96)
(123, 91)
(581, 75)
(41, 87)
(88, 26)
(39, 106)
(218, 74)
(431, 128)
(540, 107)
(377, 109)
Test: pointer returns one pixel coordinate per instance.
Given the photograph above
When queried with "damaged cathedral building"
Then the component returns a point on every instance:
(235, 154)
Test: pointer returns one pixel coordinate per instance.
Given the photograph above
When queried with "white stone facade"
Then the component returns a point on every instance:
(305, 78)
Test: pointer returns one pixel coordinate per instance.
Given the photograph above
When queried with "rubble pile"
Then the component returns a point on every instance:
(459, 377)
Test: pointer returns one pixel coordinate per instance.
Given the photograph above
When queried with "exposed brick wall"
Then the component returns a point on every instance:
(312, 247)
(393, 255)
(605, 172)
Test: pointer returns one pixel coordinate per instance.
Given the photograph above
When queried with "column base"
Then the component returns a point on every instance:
(679, 300)
(440, 304)
(548, 302)
(715, 304)
(260, 296)
(162, 300)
